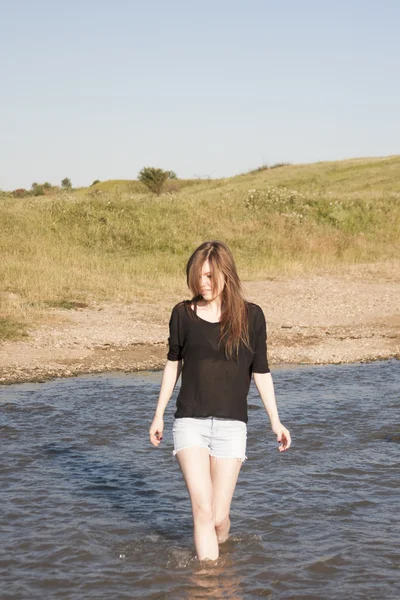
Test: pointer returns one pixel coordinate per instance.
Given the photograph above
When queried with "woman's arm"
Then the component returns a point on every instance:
(265, 388)
(171, 373)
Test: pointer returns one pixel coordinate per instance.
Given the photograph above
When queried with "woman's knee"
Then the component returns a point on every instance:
(221, 521)
(204, 514)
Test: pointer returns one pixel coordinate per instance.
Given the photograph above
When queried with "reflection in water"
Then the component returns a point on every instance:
(90, 509)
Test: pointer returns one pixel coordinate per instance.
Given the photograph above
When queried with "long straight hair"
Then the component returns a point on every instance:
(234, 326)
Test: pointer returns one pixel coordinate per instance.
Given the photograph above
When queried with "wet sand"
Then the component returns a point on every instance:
(317, 319)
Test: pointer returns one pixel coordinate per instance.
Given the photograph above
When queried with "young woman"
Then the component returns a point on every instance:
(221, 339)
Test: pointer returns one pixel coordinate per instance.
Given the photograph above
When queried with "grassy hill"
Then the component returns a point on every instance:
(116, 241)
(129, 186)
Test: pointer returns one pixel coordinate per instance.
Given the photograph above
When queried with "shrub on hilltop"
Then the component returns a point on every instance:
(66, 184)
(154, 179)
(20, 193)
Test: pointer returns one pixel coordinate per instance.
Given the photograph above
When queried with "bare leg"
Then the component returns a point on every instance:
(224, 475)
(195, 466)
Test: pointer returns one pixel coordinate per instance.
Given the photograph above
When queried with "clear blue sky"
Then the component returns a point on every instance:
(97, 89)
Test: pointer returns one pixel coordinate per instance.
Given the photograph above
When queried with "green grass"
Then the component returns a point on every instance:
(115, 241)
(66, 304)
(11, 329)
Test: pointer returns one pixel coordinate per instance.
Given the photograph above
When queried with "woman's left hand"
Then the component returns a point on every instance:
(283, 437)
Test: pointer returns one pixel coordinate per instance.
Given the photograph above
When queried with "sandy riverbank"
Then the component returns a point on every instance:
(311, 320)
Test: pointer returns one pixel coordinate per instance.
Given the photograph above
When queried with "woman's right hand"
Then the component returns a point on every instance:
(156, 430)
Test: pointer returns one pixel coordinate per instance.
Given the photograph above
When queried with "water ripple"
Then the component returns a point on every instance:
(91, 510)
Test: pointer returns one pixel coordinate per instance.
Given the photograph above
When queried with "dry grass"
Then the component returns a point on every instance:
(115, 241)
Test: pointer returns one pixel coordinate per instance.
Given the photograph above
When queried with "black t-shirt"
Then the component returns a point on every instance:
(213, 385)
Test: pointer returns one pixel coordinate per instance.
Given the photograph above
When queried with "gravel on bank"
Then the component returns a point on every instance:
(318, 319)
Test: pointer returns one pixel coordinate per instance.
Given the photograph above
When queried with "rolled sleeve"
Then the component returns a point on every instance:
(260, 360)
(174, 340)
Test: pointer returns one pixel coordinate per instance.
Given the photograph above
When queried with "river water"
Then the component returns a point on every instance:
(90, 509)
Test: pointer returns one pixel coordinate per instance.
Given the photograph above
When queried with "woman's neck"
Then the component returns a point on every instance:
(213, 306)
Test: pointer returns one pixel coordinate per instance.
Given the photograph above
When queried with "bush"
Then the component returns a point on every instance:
(266, 167)
(154, 179)
(20, 193)
(66, 184)
(95, 181)
(280, 164)
(38, 191)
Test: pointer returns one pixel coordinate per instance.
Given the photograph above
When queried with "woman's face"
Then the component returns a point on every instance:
(206, 283)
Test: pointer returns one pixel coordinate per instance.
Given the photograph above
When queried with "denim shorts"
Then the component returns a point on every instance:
(224, 438)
